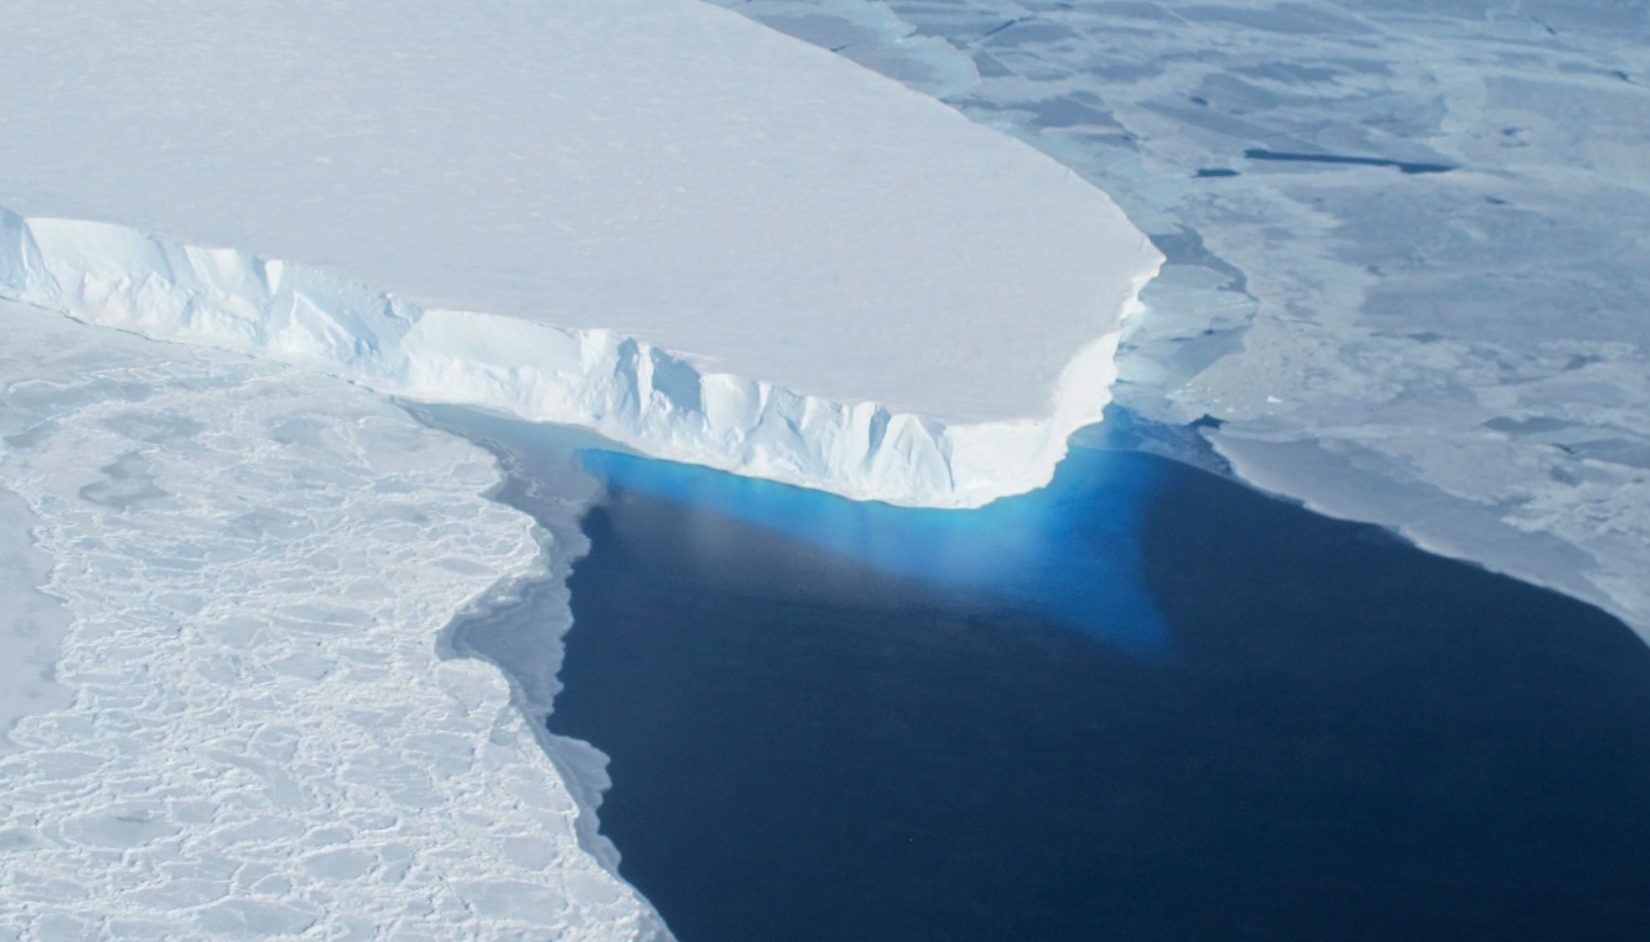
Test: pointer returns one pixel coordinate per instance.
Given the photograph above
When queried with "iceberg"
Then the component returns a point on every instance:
(654, 218)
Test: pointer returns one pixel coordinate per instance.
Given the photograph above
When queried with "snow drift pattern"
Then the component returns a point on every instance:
(654, 400)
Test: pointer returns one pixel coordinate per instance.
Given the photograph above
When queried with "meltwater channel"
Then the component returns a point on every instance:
(1146, 703)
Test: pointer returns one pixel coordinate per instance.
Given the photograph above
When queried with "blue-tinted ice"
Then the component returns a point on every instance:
(1069, 552)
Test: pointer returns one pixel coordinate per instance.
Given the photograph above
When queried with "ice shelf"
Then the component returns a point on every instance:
(653, 217)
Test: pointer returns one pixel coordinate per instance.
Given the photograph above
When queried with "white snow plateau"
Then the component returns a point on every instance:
(655, 218)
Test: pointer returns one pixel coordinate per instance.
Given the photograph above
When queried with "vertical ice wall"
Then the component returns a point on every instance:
(663, 403)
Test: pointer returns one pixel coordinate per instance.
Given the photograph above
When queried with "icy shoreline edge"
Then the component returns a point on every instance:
(657, 401)
(255, 665)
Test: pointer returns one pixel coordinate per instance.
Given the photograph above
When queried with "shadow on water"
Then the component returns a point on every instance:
(1068, 551)
(820, 731)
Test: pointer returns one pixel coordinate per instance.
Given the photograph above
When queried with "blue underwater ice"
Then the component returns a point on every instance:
(1069, 552)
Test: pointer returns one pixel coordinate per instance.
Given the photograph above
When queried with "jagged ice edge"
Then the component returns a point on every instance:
(654, 400)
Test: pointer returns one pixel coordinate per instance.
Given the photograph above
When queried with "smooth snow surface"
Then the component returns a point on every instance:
(263, 742)
(858, 288)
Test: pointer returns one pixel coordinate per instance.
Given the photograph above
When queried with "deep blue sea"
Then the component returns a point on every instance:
(1146, 704)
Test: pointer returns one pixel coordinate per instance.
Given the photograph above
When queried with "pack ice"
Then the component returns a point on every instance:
(650, 217)
(260, 737)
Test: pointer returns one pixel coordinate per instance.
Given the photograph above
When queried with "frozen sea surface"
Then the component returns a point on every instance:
(257, 565)
(34, 622)
(1461, 355)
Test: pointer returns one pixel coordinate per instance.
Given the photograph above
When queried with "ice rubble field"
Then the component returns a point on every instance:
(263, 740)
(754, 255)
(1464, 355)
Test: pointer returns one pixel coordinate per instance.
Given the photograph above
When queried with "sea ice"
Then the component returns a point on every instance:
(263, 739)
(34, 622)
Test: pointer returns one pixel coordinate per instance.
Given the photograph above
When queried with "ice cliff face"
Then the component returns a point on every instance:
(828, 278)
(652, 399)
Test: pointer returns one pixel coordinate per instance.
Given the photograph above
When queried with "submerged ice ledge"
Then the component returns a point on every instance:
(657, 401)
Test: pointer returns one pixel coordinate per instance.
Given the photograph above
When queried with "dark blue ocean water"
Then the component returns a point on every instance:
(1145, 704)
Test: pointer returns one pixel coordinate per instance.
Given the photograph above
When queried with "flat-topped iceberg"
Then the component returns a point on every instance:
(703, 238)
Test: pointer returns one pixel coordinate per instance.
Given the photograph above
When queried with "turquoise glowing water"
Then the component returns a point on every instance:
(1068, 552)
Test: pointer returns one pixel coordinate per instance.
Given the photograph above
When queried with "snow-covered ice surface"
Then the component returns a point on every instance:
(31, 622)
(263, 739)
(1458, 347)
(754, 254)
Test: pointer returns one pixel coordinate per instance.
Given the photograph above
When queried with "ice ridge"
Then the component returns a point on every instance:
(661, 402)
